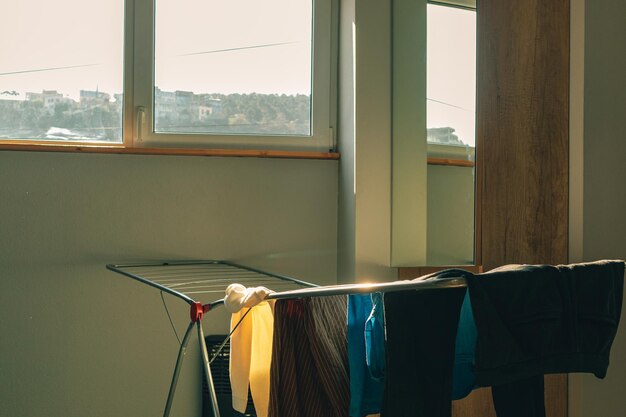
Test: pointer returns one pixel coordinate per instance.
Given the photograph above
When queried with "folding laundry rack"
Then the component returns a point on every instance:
(187, 279)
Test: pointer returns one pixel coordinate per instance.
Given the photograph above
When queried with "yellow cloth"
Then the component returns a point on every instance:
(251, 356)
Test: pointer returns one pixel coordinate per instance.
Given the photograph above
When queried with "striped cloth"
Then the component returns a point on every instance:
(309, 370)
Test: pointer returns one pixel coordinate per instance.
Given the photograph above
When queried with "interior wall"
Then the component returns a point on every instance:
(346, 131)
(364, 232)
(78, 340)
(604, 182)
(409, 217)
(450, 236)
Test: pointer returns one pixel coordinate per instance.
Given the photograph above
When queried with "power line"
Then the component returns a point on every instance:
(448, 104)
(48, 69)
(268, 45)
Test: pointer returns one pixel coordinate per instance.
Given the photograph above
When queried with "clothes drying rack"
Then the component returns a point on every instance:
(189, 280)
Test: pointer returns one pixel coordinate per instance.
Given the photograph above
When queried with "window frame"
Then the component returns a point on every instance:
(411, 153)
(464, 4)
(453, 153)
(137, 113)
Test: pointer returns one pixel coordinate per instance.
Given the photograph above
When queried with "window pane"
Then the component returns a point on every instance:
(61, 70)
(451, 71)
(233, 67)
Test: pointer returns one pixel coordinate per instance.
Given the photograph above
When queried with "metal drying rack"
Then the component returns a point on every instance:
(188, 280)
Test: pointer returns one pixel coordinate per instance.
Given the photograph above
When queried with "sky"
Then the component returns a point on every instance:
(258, 48)
(451, 70)
(276, 35)
(39, 34)
(212, 46)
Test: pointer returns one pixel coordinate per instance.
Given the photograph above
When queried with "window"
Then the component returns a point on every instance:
(451, 78)
(61, 74)
(164, 73)
(450, 123)
(433, 204)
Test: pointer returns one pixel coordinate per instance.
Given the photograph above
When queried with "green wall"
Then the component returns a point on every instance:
(450, 234)
(78, 340)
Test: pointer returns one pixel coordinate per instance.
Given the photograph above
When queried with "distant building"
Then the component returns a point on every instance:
(165, 104)
(204, 112)
(94, 97)
(443, 136)
(208, 107)
(184, 98)
(49, 98)
(185, 106)
(35, 97)
(215, 104)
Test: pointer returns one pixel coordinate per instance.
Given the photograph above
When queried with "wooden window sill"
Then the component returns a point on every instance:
(113, 149)
(450, 162)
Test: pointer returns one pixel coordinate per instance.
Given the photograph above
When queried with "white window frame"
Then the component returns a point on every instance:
(139, 91)
(138, 136)
(410, 149)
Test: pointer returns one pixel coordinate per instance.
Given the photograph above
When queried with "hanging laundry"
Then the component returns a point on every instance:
(463, 377)
(421, 331)
(366, 353)
(375, 338)
(521, 398)
(250, 346)
(540, 319)
(238, 297)
(309, 371)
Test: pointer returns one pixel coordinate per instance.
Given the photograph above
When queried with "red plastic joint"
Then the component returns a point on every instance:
(196, 311)
(206, 308)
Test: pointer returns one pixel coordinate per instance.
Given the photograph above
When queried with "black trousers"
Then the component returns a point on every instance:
(421, 332)
(522, 398)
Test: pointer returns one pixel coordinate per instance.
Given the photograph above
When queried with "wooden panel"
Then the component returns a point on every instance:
(556, 395)
(522, 130)
(477, 404)
(522, 150)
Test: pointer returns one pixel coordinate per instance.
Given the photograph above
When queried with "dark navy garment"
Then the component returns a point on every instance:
(522, 398)
(421, 332)
(366, 353)
(463, 378)
(540, 319)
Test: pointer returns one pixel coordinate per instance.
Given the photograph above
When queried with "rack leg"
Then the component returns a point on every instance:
(179, 364)
(207, 370)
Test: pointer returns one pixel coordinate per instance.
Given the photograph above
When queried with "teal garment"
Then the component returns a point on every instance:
(366, 353)
(464, 379)
(375, 338)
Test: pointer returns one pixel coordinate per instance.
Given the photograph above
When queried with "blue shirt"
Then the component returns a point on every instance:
(366, 353)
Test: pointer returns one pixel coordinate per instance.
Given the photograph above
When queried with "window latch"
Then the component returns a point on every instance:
(140, 118)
